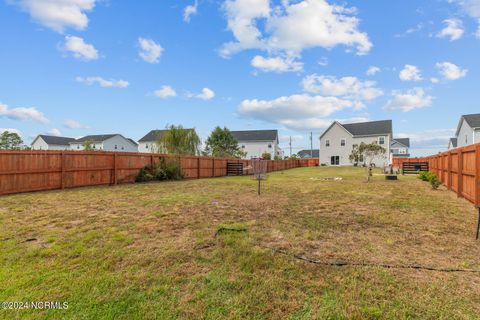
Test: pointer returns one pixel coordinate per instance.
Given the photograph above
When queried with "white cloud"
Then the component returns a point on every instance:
(276, 64)
(189, 11)
(409, 100)
(295, 111)
(450, 71)
(58, 14)
(477, 34)
(80, 49)
(150, 51)
(453, 29)
(72, 124)
(434, 80)
(206, 94)
(346, 87)
(104, 83)
(165, 92)
(292, 27)
(22, 113)
(54, 132)
(471, 7)
(410, 73)
(373, 70)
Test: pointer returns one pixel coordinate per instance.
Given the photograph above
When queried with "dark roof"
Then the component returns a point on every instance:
(97, 137)
(61, 141)
(255, 135)
(155, 135)
(473, 120)
(369, 128)
(307, 153)
(404, 141)
(453, 141)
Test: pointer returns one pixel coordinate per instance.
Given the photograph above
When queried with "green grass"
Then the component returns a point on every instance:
(149, 251)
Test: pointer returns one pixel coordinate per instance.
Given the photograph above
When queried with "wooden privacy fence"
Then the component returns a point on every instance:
(23, 171)
(458, 169)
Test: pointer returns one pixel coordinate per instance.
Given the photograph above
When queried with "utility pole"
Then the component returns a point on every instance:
(311, 144)
(290, 146)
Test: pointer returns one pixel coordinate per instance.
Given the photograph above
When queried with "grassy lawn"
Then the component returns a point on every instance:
(151, 251)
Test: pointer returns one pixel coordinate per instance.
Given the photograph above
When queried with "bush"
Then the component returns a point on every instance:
(165, 169)
(434, 182)
(431, 178)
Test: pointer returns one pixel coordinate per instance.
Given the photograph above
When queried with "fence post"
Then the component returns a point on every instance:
(460, 173)
(477, 175)
(213, 167)
(63, 170)
(449, 170)
(198, 167)
(115, 168)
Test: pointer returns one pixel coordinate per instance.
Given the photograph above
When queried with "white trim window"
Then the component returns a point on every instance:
(327, 143)
(381, 140)
(343, 142)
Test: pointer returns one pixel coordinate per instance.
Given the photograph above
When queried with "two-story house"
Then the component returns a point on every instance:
(257, 142)
(399, 147)
(106, 142)
(337, 142)
(468, 130)
(45, 142)
(149, 143)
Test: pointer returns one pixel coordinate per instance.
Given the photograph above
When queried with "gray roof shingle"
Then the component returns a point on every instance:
(473, 120)
(369, 128)
(306, 153)
(54, 140)
(453, 141)
(155, 135)
(404, 141)
(255, 135)
(97, 137)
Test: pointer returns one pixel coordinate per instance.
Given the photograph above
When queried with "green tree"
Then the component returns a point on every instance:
(10, 141)
(266, 156)
(87, 145)
(177, 140)
(221, 143)
(355, 156)
(369, 152)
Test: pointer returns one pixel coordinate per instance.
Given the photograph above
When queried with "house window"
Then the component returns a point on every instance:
(93, 146)
(146, 146)
(343, 142)
(354, 146)
(123, 148)
(466, 139)
(327, 143)
(116, 147)
(334, 160)
(78, 146)
(381, 140)
(270, 145)
(243, 146)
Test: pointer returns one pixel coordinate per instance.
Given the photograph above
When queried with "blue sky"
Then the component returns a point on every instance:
(77, 67)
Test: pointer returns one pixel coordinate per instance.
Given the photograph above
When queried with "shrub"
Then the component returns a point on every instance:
(431, 178)
(165, 169)
(434, 182)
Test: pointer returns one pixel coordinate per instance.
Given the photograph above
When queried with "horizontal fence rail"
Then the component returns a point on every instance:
(458, 169)
(24, 171)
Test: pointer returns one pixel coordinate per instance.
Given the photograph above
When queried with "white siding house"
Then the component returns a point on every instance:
(44, 142)
(468, 130)
(337, 142)
(106, 142)
(452, 143)
(149, 142)
(257, 142)
(399, 147)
